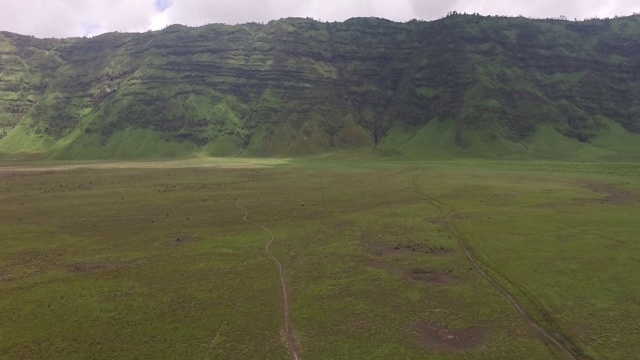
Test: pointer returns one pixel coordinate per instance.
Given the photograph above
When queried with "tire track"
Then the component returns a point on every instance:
(570, 351)
(288, 325)
(523, 312)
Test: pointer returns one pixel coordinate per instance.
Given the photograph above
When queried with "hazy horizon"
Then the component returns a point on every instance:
(69, 18)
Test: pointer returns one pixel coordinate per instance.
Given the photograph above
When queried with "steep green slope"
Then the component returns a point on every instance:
(460, 86)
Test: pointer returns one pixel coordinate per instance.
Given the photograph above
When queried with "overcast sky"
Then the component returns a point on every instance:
(63, 18)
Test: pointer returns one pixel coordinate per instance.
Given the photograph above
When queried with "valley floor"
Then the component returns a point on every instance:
(155, 261)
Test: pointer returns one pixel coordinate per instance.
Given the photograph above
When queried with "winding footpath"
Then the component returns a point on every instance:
(288, 325)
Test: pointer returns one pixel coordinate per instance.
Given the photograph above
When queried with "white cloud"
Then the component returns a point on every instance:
(59, 18)
(580, 9)
(198, 12)
(399, 10)
(159, 21)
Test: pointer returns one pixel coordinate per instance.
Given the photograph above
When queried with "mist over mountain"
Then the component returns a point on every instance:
(464, 85)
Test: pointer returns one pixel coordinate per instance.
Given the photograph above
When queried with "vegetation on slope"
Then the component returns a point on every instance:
(498, 86)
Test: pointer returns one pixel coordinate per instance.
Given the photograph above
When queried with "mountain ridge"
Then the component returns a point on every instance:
(464, 85)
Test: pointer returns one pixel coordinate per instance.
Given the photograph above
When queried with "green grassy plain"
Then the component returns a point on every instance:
(91, 265)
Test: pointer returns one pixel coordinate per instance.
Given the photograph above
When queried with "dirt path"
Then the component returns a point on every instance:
(562, 344)
(548, 337)
(288, 325)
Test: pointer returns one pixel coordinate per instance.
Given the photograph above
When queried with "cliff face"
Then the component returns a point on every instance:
(297, 86)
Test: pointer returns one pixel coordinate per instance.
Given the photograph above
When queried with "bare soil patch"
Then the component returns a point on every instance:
(421, 275)
(436, 337)
(436, 222)
(442, 252)
(613, 194)
(90, 267)
(431, 277)
(407, 249)
(181, 240)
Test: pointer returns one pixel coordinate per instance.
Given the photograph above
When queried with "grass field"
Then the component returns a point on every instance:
(154, 260)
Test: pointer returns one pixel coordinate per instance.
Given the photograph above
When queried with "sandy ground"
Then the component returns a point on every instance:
(223, 163)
